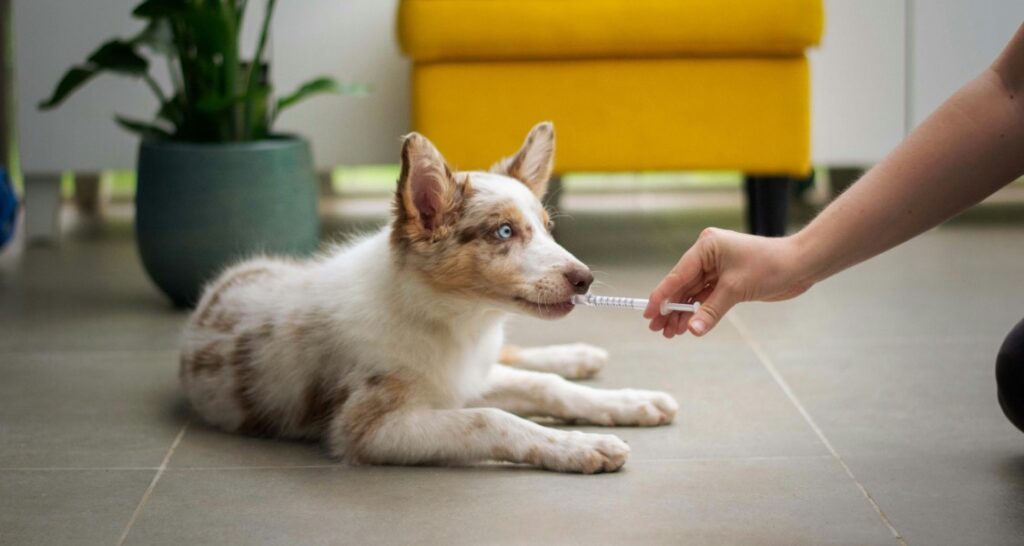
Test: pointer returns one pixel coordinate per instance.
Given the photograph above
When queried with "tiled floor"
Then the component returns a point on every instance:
(862, 413)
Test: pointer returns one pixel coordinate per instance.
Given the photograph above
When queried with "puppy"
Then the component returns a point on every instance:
(389, 349)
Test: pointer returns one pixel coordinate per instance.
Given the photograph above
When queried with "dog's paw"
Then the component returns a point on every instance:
(573, 451)
(573, 361)
(631, 407)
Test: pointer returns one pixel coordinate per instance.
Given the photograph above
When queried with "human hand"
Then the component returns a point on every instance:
(724, 268)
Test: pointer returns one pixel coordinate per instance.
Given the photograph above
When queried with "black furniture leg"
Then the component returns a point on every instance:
(767, 204)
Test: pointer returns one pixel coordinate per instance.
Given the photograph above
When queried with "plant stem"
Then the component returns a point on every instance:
(236, 131)
(155, 87)
(187, 127)
(255, 66)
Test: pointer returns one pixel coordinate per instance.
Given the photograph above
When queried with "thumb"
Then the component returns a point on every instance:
(711, 311)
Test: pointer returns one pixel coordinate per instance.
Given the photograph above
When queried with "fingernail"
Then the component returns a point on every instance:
(698, 326)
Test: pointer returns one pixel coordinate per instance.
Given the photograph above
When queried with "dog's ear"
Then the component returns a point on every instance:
(532, 164)
(427, 191)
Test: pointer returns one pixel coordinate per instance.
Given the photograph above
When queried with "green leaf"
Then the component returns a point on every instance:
(319, 86)
(157, 36)
(171, 111)
(119, 56)
(72, 80)
(141, 128)
(155, 9)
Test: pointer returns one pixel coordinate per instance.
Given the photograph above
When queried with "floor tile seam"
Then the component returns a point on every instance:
(46, 351)
(77, 468)
(740, 459)
(651, 460)
(152, 484)
(769, 366)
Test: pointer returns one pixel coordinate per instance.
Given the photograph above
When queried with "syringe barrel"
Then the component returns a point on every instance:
(632, 303)
(612, 301)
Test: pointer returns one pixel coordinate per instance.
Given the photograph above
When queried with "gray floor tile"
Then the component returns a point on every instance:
(906, 398)
(85, 295)
(729, 407)
(970, 495)
(203, 446)
(798, 501)
(898, 371)
(85, 409)
(68, 507)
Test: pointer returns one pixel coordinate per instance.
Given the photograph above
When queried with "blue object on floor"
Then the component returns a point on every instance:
(8, 208)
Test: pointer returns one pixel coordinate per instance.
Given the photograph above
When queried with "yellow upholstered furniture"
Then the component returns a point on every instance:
(631, 84)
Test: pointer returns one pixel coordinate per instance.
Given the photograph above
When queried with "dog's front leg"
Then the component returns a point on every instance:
(572, 361)
(433, 436)
(538, 394)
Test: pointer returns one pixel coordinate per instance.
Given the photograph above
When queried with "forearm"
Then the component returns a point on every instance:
(969, 148)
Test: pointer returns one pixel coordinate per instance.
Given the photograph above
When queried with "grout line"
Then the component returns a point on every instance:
(767, 363)
(90, 352)
(654, 460)
(72, 468)
(264, 467)
(762, 458)
(724, 458)
(152, 484)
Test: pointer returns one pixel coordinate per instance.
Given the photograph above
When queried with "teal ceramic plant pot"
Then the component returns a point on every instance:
(201, 207)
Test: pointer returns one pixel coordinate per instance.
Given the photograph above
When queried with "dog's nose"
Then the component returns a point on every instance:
(580, 278)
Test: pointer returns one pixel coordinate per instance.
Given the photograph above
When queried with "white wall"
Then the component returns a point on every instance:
(352, 40)
(865, 94)
(952, 41)
(50, 36)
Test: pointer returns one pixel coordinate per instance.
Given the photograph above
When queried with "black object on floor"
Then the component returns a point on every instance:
(767, 204)
(1010, 376)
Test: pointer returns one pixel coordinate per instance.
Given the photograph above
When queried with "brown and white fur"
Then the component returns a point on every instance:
(388, 348)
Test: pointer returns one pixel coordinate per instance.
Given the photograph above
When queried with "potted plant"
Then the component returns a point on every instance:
(214, 182)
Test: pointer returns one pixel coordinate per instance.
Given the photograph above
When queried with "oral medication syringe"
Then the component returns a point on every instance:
(667, 307)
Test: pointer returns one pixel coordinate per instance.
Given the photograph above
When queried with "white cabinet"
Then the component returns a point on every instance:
(858, 82)
(884, 65)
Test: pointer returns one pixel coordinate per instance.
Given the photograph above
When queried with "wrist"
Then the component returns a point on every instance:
(806, 264)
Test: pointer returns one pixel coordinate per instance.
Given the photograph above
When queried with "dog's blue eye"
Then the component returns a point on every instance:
(504, 232)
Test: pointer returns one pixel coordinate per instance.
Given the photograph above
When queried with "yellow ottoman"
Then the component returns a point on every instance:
(631, 85)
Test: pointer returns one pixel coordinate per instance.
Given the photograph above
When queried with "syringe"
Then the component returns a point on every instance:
(632, 303)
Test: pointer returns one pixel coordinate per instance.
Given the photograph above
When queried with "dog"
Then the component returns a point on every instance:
(389, 349)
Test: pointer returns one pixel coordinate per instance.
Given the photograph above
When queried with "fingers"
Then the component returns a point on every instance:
(692, 279)
(659, 321)
(686, 274)
(677, 326)
(702, 296)
(718, 303)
